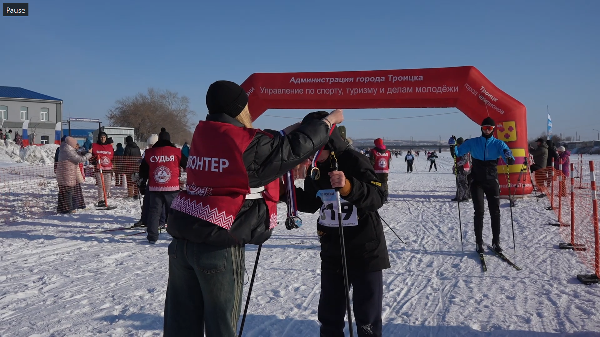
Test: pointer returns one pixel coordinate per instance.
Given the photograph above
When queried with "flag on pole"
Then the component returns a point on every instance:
(549, 127)
(25, 135)
(57, 130)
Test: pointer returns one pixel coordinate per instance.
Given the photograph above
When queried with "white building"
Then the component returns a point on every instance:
(42, 111)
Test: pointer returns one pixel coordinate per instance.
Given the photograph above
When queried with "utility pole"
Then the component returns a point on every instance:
(598, 133)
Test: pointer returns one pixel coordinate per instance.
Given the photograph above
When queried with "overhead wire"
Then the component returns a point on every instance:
(376, 119)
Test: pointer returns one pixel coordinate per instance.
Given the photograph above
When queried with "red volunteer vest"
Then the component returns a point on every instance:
(164, 168)
(217, 180)
(105, 155)
(82, 171)
(382, 161)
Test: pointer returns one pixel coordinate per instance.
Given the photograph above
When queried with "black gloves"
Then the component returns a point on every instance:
(509, 157)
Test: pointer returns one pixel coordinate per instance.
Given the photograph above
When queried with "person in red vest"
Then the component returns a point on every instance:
(160, 168)
(103, 153)
(232, 188)
(380, 159)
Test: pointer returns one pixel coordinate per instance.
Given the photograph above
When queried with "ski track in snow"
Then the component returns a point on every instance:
(61, 276)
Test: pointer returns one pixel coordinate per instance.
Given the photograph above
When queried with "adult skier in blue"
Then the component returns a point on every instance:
(485, 151)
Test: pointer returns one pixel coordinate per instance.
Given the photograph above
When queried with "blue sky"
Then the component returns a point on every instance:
(91, 53)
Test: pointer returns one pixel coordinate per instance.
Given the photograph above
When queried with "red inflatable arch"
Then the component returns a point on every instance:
(462, 87)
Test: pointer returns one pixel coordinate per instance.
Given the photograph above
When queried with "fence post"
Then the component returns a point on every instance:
(560, 190)
(593, 278)
(551, 196)
(580, 170)
(572, 205)
(572, 244)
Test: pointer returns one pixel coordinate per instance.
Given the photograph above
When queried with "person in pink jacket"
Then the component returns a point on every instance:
(563, 156)
(68, 176)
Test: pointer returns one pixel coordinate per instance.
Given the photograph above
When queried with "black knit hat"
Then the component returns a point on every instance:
(164, 135)
(226, 97)
(128, 140)
(488, 121)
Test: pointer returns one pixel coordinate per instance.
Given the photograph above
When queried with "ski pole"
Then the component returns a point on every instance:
(519, 181)
(343, 247)
(136, 181)
(250, 290)
(140, 199)
(458, 204)
(510, 205)
(390, 227)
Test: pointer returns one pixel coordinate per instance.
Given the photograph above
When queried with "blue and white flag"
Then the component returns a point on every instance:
(549, 127)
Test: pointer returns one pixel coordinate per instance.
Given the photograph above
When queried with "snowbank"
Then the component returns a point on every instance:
(13, 153)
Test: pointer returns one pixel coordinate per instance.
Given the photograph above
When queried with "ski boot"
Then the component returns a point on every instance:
(101, 203)
(496, 247)
(479, 248)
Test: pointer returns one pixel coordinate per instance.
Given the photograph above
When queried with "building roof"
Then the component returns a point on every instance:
(16, 92)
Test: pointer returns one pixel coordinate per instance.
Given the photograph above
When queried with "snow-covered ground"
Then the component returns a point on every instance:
(61, 276)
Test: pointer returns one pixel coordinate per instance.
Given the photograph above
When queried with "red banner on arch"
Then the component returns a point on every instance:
(465, 88)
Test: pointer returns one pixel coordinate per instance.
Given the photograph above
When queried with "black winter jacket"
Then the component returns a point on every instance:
(366, 249)
(266, 159)
(552, 154)
(132, 150)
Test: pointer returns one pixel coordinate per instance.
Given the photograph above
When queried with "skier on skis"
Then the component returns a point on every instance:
(380, 158)
(409, 159)
(366, 251)
(485, 151)
(232, 189)
(431, 157)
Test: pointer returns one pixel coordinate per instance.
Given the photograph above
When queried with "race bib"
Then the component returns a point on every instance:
(329, 210)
